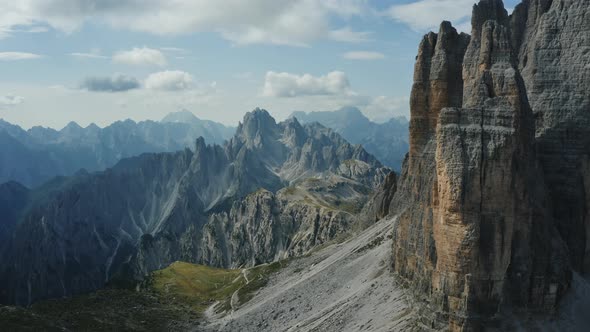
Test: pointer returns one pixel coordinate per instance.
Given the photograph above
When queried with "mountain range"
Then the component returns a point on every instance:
(387, 141)
(36, 155)
(274, 190)
(32, 157)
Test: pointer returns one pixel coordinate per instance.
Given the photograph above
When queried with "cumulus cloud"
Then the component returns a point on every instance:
(169, 80)
(363, 55)
(116, 83)
(291, 22)
(12, 56)
(293, 85)
(428, 14)
(10, 100)
(140, 56)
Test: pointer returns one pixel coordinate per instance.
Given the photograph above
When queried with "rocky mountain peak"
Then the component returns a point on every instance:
(294, 133)
(72, 126)
(487, 10)
(200, 144)
(258, 128)
(490, 72)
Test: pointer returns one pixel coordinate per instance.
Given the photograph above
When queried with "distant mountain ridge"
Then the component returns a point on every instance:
(387, 141)
(274, 190)
(34, 156)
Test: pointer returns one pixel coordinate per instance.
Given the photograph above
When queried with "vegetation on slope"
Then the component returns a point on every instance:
(174, 298)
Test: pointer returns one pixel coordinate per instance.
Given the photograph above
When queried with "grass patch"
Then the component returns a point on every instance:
(171, 299)
(196, 285)
(200, 286)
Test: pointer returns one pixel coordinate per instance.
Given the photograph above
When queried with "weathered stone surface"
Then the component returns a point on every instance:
(492, 198)
(554, 59)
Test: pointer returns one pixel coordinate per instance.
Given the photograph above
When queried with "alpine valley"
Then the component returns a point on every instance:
(289, 227)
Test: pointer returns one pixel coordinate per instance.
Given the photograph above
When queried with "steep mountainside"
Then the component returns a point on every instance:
(272, 191)
(387, 141)
(492, 199)
(34, 156)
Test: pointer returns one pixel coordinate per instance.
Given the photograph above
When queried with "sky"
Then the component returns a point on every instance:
(99, 61)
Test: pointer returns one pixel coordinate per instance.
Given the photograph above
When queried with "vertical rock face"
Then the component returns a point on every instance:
(492, 198)
(554, 59)
(437, 83)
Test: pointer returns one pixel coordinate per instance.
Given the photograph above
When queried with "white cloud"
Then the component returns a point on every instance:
(383, 108)
(350, 36)
(95, 54)
(10, 100)
(291, 22)
(12, 56)
(428, 14)
(169, 80)
(363, 55)
(292, 85)
(140, 56)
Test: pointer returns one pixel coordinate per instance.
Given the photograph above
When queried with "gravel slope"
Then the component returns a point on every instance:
(344, 287)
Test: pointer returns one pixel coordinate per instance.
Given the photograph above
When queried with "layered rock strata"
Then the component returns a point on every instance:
(492, 198)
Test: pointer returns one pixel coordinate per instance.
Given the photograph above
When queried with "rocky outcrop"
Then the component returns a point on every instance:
(76, 233)
(492, 198)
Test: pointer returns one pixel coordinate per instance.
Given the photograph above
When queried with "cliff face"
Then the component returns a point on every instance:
(554, 58)
(492, 198)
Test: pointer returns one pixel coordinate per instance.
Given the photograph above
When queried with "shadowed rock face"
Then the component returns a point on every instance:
(492, 197)
(214, 205)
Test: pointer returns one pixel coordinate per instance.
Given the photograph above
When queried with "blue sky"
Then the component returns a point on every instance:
(105, 60)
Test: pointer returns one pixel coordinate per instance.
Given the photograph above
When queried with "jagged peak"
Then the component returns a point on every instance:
(258, 114)
(200, 144)
(257, 126)
(447, 27)
(292, 121)
(72, 125)
(92, 126)
(449, 39)
(487, 10)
